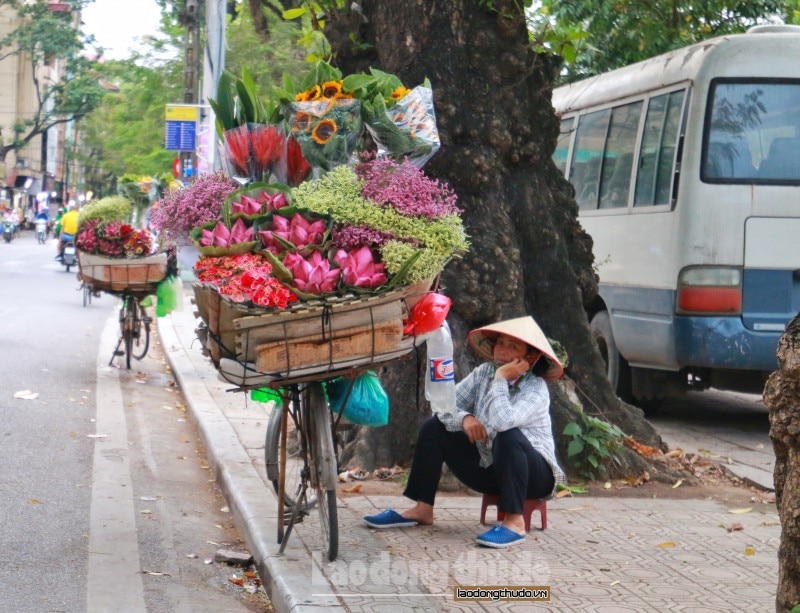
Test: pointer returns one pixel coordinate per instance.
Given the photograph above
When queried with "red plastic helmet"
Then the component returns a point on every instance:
(428, 314)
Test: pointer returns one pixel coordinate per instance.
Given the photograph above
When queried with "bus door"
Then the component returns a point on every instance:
(771, 279)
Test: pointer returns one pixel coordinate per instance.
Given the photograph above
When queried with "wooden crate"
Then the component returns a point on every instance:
(118, 274)
(297, 353)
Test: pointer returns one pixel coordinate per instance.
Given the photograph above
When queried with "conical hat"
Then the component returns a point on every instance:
(524, 329)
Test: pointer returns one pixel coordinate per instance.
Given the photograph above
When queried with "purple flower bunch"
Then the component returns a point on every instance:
(352, 237)
(182, 210)
(406, 188)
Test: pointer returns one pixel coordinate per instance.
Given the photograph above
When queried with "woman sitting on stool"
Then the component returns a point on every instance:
(498, 440)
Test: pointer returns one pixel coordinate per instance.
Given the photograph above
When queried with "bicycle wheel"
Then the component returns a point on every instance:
(141, 336)
(322, 462)
(294, 460)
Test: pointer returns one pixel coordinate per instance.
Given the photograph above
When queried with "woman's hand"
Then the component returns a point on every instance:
(513, 369)
(474, 429)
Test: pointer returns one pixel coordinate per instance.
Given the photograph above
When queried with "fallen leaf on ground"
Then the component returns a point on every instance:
(677, 483)
(640, 448)
(35, 501)
(765, 497)
(563, 494)
(236, 580)
(640, 480)
(735, 527)
(667, 544)
(97, 436)
(740, 511)
(613, 583)
(749, 551)
(353, 489)
(607, 485)
(26, 395)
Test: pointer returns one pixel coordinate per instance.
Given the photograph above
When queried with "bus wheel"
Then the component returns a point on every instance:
(618, 372)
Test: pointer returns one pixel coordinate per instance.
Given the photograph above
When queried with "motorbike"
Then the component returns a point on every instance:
(70, 257)
(41, 231)
(9, 230)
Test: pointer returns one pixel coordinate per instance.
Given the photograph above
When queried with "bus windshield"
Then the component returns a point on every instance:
(752, 132)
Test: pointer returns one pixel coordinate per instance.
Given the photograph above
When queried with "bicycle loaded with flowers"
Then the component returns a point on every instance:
(313, 264)
(113, 255)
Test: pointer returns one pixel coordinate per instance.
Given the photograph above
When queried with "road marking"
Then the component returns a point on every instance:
(115, 579)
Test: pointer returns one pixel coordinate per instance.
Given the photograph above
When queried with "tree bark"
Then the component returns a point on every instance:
(529, 254)
(782, 397)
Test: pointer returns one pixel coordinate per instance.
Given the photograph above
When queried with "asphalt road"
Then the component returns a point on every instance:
(106, 500)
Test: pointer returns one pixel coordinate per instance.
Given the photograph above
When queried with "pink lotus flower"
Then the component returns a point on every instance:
(298, 231)
(359, 268)
(241, 233)
(255, 206)
(221, 236)
(248, 206)
(313, 275)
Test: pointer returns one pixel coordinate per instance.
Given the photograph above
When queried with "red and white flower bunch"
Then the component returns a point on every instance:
(114, 239)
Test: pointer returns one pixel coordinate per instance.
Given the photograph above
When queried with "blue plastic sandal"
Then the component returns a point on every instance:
(388, 519)
(499, 537)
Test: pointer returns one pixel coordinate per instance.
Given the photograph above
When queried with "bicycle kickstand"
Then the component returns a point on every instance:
(116, 352)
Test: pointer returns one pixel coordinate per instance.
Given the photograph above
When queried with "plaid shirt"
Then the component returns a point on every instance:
(500, 405)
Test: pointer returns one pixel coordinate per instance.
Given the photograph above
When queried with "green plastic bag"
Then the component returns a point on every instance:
(165, 297)
(266, 394)
(367, 403)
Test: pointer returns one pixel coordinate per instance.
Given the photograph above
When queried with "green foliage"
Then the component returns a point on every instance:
(110, 208)
(795, 609)
(603, 35)
(237, 102)
(593, 443)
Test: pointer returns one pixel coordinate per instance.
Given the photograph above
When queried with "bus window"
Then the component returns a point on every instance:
(615, 182)
(587, 158)
(562, 145)
(753, 132)
(656, 159)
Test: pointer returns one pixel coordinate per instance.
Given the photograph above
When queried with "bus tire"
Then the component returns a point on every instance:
(618, 372)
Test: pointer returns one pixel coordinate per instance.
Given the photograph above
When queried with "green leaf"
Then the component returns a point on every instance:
(294, 13)
(572, 429)
(592, 441)
(403, 272)
(593, 461)
(575, 447)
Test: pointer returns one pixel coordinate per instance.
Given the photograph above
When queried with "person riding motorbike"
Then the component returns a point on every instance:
(69, 228)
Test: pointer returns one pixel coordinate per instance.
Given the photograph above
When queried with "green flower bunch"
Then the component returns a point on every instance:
(431, 242)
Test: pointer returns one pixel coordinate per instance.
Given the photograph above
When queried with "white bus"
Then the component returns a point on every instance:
(686, 169)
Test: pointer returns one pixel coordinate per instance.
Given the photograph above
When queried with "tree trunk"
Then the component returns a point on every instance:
(782, 396)
(529, 254)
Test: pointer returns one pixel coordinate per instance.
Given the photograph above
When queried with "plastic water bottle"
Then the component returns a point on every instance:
(440, 384)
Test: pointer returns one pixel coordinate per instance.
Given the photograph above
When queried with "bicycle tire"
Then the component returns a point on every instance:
(128, 327)
(142, 324)
(322, 462)
(294, 461)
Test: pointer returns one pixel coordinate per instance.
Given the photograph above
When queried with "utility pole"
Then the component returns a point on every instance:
(190, 18)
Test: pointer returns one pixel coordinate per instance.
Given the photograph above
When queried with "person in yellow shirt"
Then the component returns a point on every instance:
(69, 228)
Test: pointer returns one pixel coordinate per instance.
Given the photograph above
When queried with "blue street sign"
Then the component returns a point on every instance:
(181, 135)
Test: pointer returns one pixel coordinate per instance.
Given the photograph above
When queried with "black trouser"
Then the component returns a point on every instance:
(517, 471)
